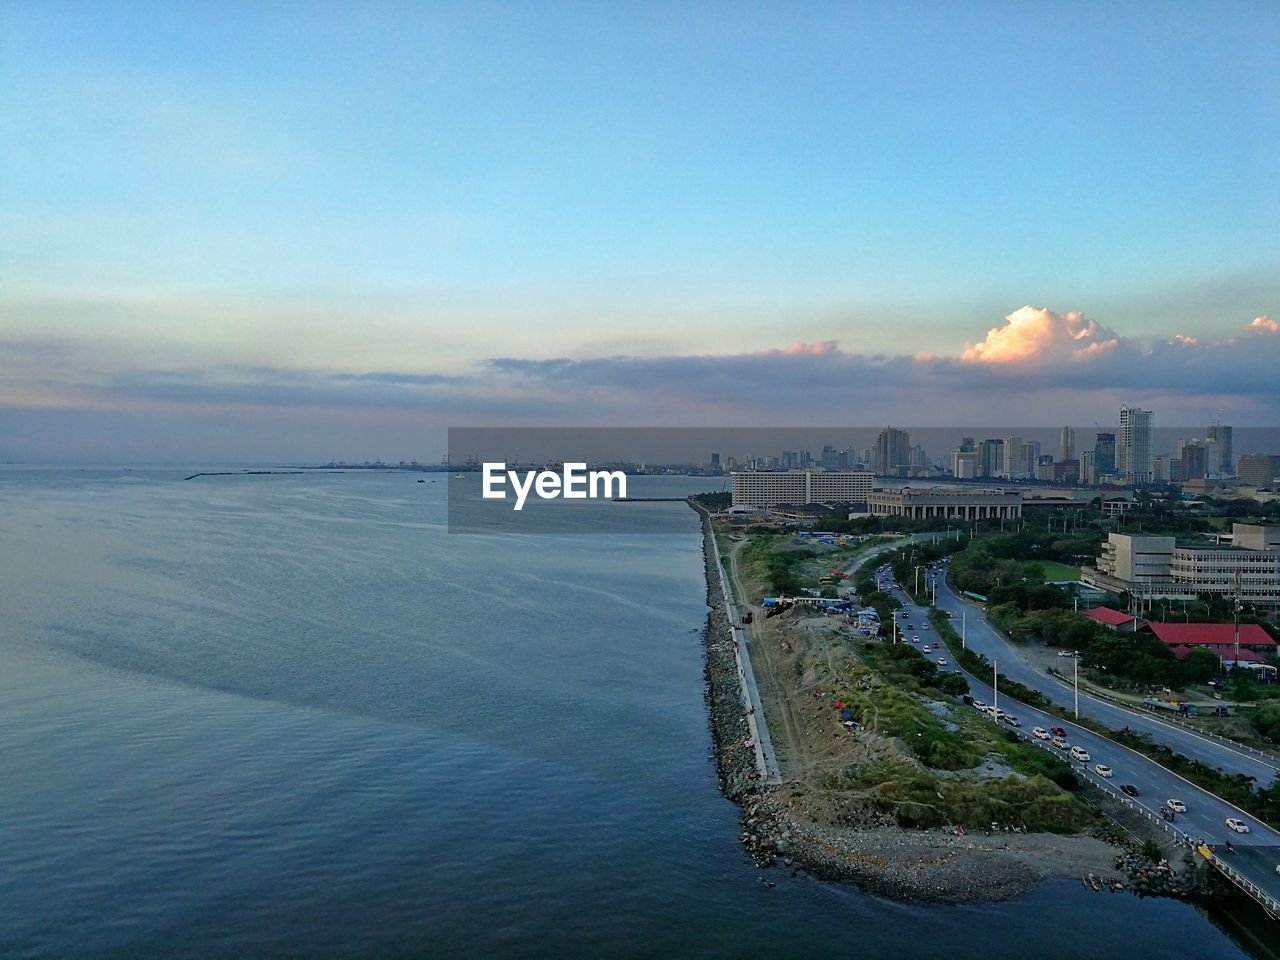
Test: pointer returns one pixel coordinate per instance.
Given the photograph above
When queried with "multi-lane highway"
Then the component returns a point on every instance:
(982, 638)
(1257, 853)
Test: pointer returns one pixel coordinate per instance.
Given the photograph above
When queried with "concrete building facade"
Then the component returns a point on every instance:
(939, 502)
(1160, 568)
(765, 489)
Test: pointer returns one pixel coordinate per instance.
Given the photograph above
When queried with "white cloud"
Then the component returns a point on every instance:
(1037, 334)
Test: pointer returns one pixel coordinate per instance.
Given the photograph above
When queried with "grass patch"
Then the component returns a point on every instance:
(1059, 571)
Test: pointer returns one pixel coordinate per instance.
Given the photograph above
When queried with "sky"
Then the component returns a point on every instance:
(249, 231)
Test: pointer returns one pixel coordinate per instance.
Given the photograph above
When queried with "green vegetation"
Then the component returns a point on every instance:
(1054, 571)
(896, 692)
(778, 568)
(917, 798)
(715, 502)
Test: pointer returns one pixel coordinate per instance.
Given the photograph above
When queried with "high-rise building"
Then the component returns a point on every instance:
(1194, 460)
(1222, 436)
(715, 461)
(991, 458)
(964, 464)
(1257, 468)
(1013, 454)
(1087, 473)
(1067, 444)
(892, 454)
(1104, 456)
(1133, 452)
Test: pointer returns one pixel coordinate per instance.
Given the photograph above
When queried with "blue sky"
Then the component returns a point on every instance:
(194, 192)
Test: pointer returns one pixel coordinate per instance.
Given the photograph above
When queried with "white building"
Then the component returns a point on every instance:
(1133, 447)
(964, 504)
(763, 489)
(1159, 567)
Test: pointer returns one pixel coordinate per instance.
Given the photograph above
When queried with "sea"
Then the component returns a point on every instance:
(292, 715)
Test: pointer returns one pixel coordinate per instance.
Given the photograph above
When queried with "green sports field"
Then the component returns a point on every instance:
(1060, 571)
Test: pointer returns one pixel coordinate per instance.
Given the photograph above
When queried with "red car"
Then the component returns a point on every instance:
(1058, 731)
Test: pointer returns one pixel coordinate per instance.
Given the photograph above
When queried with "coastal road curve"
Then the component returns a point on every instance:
(983, 638)
(1258, 852)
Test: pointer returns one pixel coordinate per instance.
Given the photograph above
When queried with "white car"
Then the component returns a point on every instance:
(924, 626)
(1177, 806)
(942, 661)
(1061, 743)
(915, 639)
(979, 706)
(1012, 721)
(1066, 653)
(1040, 733)
(1081, 754)
(1102, 770)
(1239, 826)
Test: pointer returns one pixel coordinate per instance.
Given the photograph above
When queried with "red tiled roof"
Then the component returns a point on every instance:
(1212, 634)
(1227, 652)
(1107, 615)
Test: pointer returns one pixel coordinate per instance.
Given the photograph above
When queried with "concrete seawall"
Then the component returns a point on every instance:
(744, 753)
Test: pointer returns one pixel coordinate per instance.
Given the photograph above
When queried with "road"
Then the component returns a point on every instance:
(982, 638)
(1258, 851)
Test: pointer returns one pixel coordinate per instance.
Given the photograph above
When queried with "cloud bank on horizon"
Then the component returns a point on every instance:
(1037, 367)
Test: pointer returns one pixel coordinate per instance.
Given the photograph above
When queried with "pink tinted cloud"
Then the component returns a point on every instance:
(820, 349)
(1037, 334)
(1263, 324)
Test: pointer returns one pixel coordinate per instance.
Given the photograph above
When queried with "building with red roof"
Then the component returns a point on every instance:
(1113, 619)
(1252, 636)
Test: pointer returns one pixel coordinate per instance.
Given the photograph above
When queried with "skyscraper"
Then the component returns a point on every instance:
(1134, 450)
(1067, 444)
(892, 453)
(1226, 461)
(1104, 455)
(991, 459)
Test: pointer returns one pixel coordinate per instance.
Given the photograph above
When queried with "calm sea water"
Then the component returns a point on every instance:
(291, 716)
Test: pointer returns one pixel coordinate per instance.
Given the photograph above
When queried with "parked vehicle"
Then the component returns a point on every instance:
(979, 706)
(1040, 733)
(1080, 754)
(1239, 826)
(1012, 720)
(1102, 770)
(1060, 743)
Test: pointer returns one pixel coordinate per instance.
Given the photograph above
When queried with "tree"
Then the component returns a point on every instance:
(1200, 665)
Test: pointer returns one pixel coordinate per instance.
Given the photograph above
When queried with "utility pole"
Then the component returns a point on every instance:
(963, 645)
(1075, 662)
(1236, 611)
(995, 685)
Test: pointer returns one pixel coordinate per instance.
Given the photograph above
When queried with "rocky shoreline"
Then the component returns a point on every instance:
(877, 855)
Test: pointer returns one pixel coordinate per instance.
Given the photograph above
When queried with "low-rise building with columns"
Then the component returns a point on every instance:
(961, 504)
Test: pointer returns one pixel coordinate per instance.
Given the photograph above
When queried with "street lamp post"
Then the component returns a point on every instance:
(995, 685)
(1075, 663)
(963, 645)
